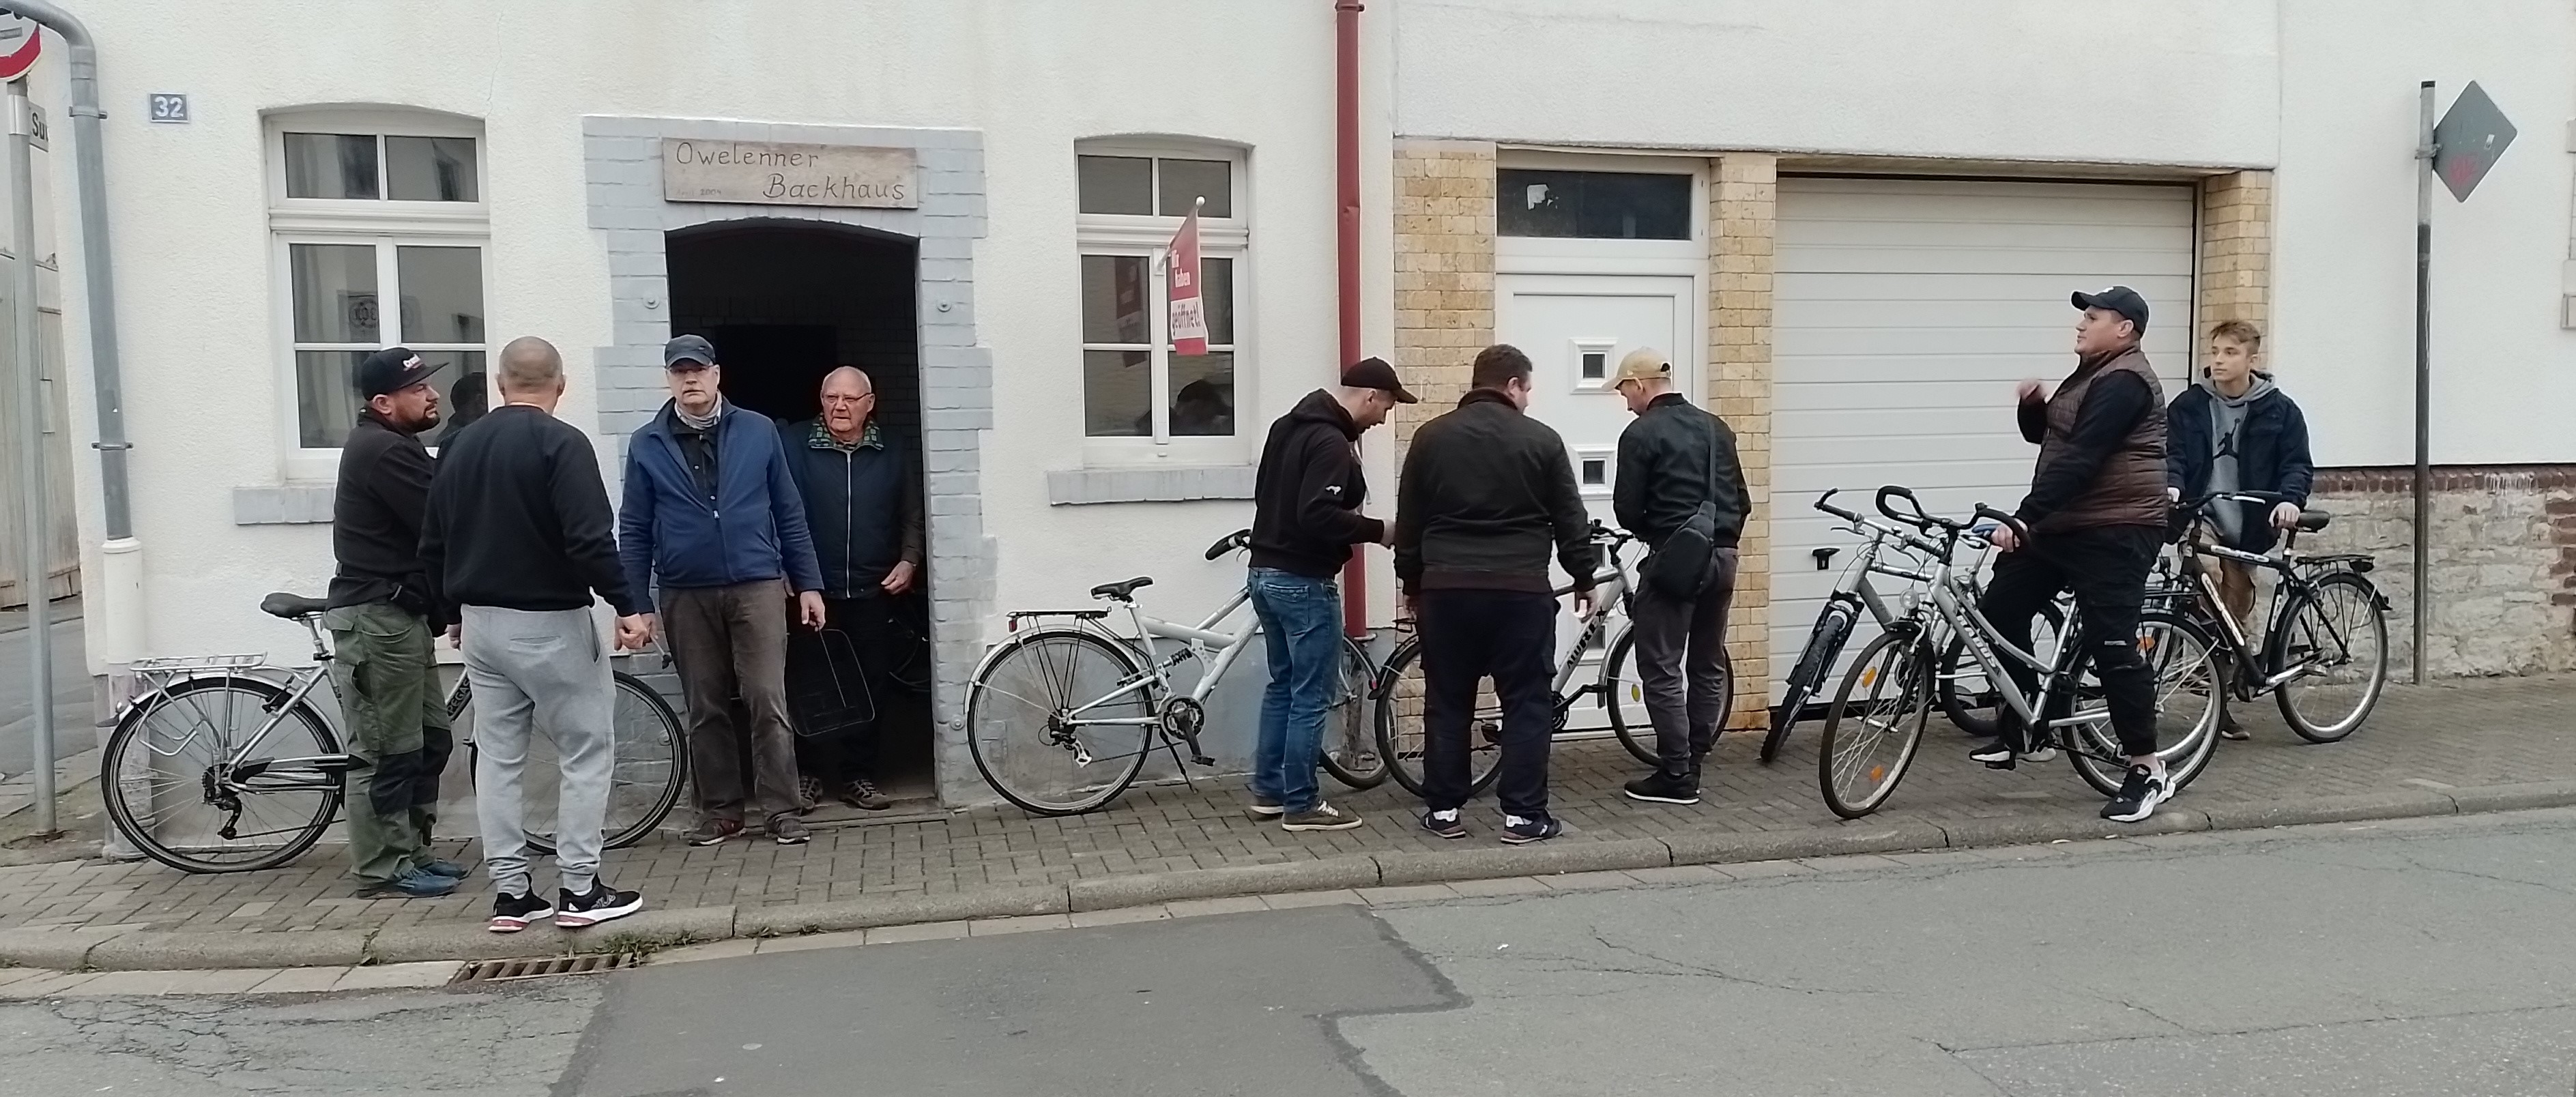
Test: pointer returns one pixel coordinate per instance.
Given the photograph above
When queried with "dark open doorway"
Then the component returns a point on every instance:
(784, 302)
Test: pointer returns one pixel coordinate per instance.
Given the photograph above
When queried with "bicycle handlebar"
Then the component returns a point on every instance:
(1230, 542)
(1990, 514)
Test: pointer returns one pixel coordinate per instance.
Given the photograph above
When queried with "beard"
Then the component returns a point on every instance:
(422, 422)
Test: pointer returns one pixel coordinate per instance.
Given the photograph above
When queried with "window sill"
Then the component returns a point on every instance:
(288, 504)
(1083, 487)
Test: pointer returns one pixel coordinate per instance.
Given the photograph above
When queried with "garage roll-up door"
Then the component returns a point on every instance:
(1904, 312)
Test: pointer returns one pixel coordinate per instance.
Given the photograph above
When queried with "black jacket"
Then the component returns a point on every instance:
(519, 519)
(2272, 454)
(862, 505)
(1485, 491)
(1306, 497)
(375, 518)
(1663, 472)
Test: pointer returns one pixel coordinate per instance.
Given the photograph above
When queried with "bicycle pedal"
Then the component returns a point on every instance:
(1201, 760)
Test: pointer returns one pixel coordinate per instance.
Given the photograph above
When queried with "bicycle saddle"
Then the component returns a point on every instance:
(1122, 591)
(2311, 521)
(293, 607)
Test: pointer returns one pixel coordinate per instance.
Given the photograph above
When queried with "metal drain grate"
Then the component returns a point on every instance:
(538, 967)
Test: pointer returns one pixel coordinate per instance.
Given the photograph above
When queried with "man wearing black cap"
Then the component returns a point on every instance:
(381, 621)
(1305, 517)
(2092, 522)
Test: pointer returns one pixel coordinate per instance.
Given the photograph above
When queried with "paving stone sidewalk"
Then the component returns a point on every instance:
(2454, 734)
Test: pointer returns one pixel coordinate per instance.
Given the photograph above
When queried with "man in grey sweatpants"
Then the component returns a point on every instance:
(517, 538)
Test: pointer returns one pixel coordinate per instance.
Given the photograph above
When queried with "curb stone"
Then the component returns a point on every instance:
(123, 948)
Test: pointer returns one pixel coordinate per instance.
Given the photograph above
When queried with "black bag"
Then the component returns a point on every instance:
(1679, 568)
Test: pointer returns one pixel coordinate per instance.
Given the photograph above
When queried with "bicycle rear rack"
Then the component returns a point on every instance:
(189, 664)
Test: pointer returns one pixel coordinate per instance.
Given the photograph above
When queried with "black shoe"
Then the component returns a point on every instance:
(2228, 728)
(1322, 816)
(714, 832)
(1444, 823)
(512, 913)
(788, 830)
(1521, 830)
(2139, 794)
(602, 904)
(1663, 788)
(862, 794)
(2000, 755)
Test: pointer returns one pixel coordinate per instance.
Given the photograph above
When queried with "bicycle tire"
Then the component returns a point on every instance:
(2278, 652)
(1981, 720)
(1623, 694)
(1350, 752)
(116, 784)
(985, 733)
(1833, 629)
(1403, 750)
(2196, 675)
(1904, 658)
(671, 759)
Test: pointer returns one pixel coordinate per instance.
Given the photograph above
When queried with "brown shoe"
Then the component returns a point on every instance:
(862, 794)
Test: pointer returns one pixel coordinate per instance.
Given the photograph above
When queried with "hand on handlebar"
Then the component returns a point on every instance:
(2003, 538)
(2285, 516)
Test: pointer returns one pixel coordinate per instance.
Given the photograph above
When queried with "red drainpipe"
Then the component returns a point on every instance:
(1346, 199)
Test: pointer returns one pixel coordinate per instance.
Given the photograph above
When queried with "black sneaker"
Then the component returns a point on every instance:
(2000, 755)
(1663, 788)
(788, 830)
(714, 832)
(602, 904)
(1322, 816)
(2228, 728)
(1521, 830)
(512, 913)
(1444, 823)
(2139, 794)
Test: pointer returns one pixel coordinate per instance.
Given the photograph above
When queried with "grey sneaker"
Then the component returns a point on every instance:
(862, 794)
(788, 830)
(1322, 817)
(714, 832)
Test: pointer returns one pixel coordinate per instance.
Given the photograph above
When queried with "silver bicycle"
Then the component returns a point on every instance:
(1061, 716)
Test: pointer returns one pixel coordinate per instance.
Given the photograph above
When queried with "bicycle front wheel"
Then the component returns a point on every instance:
(1350, 751)
(2188, 692)
(1876, 724)
(1824, 642)
(1400, 734)
(1059, 720)
(178, 784)
(2336, 634)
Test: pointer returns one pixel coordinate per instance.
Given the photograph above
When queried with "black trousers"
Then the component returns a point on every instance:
(2107, 569)
(849, 753)
(1468, 635)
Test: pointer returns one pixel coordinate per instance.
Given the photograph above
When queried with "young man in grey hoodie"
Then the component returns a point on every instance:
(2235, 431)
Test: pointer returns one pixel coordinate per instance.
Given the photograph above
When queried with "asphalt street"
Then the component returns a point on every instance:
(72, 730)
(2432, 956)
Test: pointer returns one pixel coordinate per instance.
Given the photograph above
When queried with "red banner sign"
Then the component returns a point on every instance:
(1189, 318)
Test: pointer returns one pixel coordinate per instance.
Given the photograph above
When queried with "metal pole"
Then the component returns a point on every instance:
(34, 543)
(2423, 366)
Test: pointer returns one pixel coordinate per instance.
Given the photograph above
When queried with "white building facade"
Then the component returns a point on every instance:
(1858, 223)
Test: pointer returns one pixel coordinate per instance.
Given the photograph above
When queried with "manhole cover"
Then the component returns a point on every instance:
(538, 967)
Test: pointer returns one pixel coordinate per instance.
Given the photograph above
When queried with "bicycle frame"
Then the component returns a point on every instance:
(1956, 607)
(309, 772)
(1202, 641)
(2205, 590)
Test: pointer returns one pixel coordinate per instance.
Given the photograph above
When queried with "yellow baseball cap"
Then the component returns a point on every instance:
(1643, 364)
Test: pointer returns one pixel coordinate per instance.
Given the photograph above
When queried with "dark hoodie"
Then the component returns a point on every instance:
(1307, 494)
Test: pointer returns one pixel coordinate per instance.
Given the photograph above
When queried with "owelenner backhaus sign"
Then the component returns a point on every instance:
(772, 173)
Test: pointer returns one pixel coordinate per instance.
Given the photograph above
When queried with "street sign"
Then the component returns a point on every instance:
(20, 39)
(2469, 140)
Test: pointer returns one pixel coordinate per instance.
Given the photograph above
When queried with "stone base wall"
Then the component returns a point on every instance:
(2502, 572)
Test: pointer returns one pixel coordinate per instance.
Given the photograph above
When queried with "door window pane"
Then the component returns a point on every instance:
(1203, 395)
(326, 396)
(1216, 299)
(1115, 184)
(335, 292)
(1184, 180)
(330, 165)
(1601, 205)
(429, 169)
(442, 294)
(1117, 393)
(1114, 299)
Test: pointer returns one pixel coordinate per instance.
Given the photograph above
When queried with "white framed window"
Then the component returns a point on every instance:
(1141, 400)
(382, 238)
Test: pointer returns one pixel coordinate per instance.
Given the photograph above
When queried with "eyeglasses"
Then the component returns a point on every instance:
(849, 399)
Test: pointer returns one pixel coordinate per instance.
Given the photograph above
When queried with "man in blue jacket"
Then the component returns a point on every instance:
(712, 509)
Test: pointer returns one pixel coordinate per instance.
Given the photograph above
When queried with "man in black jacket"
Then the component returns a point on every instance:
(1666, 460)
(382, 619)
(1305, 517)
(2238, 433)
(1486, 491)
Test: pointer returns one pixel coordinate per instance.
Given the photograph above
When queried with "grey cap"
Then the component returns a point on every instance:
(688, 348)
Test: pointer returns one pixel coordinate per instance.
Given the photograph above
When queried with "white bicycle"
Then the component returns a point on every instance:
(1061, 716)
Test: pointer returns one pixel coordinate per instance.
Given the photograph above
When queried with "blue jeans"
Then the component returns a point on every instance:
(1300, 620)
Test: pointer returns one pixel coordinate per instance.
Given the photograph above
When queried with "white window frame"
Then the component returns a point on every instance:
(378, 222)
(1228, 238)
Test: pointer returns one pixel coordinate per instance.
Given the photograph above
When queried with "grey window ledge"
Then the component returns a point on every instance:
(1080, 487)
(283, 505)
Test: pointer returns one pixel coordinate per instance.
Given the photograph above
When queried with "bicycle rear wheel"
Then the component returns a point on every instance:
(1350, 751)
(1623, 692)
(173, 785)
(648, 768)
(2188, 691)
(2337, 632)
(1400, 723)
(1044, 729)
(1876, 724)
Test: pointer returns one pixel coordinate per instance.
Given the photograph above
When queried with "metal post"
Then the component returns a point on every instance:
(34, 542)
(2423, 367)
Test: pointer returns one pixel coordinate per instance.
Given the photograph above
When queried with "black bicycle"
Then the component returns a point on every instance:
(2323, 651)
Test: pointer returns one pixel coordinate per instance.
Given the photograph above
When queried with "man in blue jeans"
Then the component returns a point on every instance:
(1305, 518)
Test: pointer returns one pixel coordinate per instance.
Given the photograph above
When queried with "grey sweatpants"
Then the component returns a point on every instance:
(539, 670)
(1681, 658)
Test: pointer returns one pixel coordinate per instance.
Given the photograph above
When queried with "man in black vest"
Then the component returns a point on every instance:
(863, 504)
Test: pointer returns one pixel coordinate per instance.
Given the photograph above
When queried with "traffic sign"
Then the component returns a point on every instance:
(2469, 140)
(20, 39)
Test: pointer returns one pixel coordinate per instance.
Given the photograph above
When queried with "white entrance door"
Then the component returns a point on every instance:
(1575, 328)
(1905, 310)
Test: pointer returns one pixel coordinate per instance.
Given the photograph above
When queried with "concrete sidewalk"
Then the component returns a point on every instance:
(2452, 747)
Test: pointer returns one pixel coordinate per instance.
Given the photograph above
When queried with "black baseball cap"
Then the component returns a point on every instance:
(1374, 373)
(692, 349)
(2119, 299)
(392, 370)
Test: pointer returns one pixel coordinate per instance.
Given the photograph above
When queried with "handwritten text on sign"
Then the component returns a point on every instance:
(771, 173)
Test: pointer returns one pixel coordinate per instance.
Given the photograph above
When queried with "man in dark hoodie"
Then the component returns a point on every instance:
(1305, 518)
(1485, 493)
(2238, 433)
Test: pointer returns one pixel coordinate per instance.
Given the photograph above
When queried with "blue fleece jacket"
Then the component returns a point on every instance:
(755, 528)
